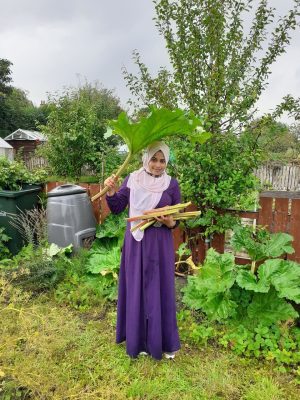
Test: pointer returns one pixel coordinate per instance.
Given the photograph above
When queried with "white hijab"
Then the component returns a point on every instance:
(146, 190)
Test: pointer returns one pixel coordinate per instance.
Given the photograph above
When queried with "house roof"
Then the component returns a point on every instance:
(22, 134)
(4, 144)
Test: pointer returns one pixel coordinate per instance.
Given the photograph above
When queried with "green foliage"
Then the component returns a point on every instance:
(4, 252)
(158, 124)
(191, 331)
(183, 250)
(105, 254)
(282, 274)
(14, 175)
(32, 270)
(16, 110)
(5, 78)
(209, 290)
(278, 343)
(278, 141)
(219, 71)
(92, 276)
(260, 244)
(77, 121)
(227, 292)
(58, 353)
(112, 230)
(80, 289)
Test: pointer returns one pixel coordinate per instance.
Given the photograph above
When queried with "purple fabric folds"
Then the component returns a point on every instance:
(146, 313)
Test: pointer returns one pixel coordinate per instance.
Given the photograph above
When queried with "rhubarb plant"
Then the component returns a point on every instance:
(158, 124)
(260, 295)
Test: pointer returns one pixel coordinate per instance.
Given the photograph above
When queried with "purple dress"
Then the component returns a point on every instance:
(146, 311)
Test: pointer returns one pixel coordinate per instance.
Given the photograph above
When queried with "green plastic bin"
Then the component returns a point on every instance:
(12, 203)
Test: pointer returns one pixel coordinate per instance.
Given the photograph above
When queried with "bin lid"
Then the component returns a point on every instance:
(28, 188)
(66, 190)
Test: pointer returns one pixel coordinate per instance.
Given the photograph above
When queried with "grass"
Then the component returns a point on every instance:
(51, 352)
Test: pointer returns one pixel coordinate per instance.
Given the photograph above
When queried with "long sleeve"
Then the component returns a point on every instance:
(176, 195)
(119, 201)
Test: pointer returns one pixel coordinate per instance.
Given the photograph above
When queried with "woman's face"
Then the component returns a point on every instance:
(157, 164)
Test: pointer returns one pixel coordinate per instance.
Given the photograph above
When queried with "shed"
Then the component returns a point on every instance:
(25, 140)
(6, 150)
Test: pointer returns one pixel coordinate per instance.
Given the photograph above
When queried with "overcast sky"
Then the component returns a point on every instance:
(52, 42)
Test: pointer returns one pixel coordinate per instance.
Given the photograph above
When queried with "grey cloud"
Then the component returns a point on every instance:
(50, 42)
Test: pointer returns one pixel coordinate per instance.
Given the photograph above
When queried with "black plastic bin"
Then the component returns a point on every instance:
(12, 203)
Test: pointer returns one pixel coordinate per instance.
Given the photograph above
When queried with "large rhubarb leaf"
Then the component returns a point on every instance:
(284, 276)
(194, 295)
(218, 272)
(219, 307)
(105, 261)
(247, 280)
(278, 244)
(244, 238)
(209, 290)
(268, 308)
(158, 124)
(261, 244)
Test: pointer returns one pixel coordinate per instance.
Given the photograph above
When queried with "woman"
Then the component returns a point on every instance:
(146, 314)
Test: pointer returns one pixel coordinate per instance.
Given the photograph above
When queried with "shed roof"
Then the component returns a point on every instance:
(4, 144)
(22, 134)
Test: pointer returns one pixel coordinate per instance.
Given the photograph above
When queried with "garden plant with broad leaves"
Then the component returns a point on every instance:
(258, 293)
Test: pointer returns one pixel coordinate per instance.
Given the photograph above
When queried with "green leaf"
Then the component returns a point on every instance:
(200, 137)
(54, 250)
(247, 280)
(112, 228)
(159, 124)
(209, 290)
(268, 308)
(278, 244)
(219, 307)
(284, 275)
(260, 244)
(105, 262)
(218, 272)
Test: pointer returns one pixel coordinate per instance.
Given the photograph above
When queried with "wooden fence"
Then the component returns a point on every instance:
(279, 212)
(33, 163)
(280, 177)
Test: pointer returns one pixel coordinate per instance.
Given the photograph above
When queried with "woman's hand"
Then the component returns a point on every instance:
(166, 220)
(110, 182)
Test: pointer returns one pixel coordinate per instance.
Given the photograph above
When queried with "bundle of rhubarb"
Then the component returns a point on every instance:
(149, 217)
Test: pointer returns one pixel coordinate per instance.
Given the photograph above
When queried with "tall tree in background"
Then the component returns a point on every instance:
(5, 78)
(5, 89)
(16, 110)
(219, 71)
(75, 129)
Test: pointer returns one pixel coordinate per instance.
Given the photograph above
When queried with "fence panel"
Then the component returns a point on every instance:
(281, 215)
(265, 216)
(280, 177)
(294, 229)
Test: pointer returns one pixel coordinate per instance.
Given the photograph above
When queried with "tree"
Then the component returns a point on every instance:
(5, 89)
(16, 110)
(5, 76)
(278, 141)
(219, 72)
(75, 129)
